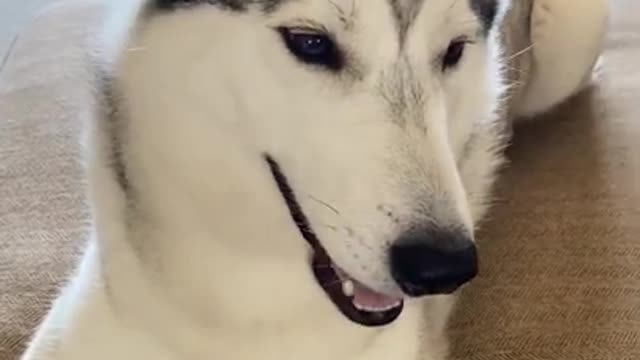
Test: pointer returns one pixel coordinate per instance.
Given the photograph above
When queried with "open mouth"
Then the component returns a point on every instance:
(356, 301)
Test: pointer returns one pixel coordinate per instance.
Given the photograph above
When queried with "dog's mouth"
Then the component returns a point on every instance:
(356, 301)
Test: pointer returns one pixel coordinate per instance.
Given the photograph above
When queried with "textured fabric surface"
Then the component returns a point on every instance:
(560, 272)
(43, 218)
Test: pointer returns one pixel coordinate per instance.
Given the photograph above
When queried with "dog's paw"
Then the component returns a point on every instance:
(567, 38)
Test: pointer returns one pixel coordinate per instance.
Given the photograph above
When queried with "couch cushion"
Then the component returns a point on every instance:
(560, 271)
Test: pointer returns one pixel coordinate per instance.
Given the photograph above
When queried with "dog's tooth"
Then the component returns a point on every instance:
(376, 309)
(347, 288)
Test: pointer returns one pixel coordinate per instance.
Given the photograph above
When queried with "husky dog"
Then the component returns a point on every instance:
(287, 179)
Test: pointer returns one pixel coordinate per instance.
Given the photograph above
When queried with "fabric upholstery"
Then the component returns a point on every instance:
(43, 216)
(560, 254)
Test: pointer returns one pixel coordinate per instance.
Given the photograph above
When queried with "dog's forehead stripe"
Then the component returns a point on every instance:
(486, 11)
(234, 5)
(405, 13)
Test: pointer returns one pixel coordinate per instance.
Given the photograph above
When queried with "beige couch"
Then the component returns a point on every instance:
(560, 273)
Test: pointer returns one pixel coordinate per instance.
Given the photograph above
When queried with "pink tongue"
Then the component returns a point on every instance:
(368, 299)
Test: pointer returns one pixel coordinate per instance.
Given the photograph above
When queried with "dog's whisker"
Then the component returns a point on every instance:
(325, 204)
(330, 227)
(520, 53)
(451, 6)
(137, 48)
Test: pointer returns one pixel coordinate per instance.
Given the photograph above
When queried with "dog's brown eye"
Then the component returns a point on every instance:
(453, 54)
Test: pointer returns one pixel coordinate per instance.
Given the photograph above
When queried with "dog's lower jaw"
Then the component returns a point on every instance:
(132, 304)
(143, 325)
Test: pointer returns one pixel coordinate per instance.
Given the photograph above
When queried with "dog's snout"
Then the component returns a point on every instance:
(433, 262)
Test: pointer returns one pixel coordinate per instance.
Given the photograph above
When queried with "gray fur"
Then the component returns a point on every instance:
(486, 11)
(405, 12)
(111, 118)
(404, 95)
(233, 5)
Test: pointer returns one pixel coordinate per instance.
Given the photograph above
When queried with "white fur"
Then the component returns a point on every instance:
(210, 265)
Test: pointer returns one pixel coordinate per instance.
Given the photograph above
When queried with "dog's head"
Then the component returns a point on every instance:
(371, 120)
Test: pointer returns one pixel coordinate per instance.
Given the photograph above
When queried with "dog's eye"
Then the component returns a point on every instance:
(312, 47)
(453, 54)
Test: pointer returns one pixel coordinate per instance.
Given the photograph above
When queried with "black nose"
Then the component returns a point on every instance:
(433, 262)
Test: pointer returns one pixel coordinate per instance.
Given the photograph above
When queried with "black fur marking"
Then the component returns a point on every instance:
(292, 204)
(486, 10)
(232, 5)
(111, 114)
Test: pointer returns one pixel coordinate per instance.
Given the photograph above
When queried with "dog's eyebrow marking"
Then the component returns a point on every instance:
(486, 11)
(233, 5)
(346, 17)
(405, 13)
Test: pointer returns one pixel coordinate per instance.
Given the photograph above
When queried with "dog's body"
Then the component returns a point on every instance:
(208, 113)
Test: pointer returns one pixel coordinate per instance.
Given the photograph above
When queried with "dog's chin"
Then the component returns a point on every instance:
(354, 300)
